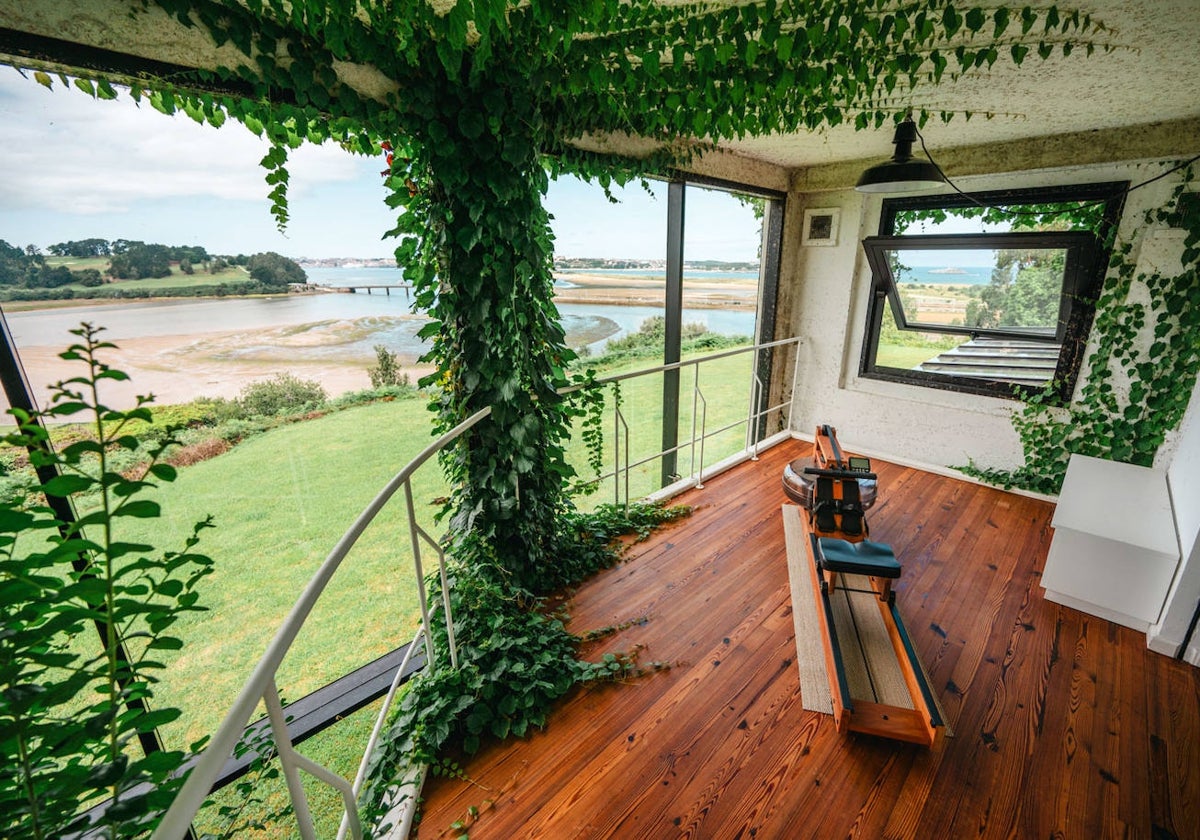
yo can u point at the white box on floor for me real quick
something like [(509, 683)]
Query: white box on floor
[(1114, 550)]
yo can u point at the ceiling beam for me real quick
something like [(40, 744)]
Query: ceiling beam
[(1155, 141)]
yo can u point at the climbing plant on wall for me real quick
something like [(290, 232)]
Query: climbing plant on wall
[(1142, 369)]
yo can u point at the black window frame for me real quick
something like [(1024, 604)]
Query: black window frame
[(1083, 279)]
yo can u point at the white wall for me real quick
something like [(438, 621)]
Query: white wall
[(1183, 479), (826, 302)]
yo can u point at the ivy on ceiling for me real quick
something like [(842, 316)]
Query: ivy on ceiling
[(485, 101)]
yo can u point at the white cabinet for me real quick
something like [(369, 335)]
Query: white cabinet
[(1114, 550)]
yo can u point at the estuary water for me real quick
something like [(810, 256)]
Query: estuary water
[(379, 318)]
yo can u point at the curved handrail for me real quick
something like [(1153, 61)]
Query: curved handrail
[(194, 791)]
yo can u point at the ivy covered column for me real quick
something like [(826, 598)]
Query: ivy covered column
[(472, 190)]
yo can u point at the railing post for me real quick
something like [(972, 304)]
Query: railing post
[(616, 448), (696, 396)]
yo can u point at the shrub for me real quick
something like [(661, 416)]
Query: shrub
[(387, 370), (282, 394), (89, 277), (234, 431)]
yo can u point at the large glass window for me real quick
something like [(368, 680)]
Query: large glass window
[(990, 294)]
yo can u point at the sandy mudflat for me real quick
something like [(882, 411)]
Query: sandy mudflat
[(179, 368), (625, 290)]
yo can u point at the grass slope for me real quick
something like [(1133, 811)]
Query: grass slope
[(280, 502)]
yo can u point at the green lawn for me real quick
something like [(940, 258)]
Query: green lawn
[(176, 280), (80, 263), (280, 502), (179, 280)]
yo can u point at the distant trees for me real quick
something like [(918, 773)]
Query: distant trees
[(27, 274), (274, 269), (1025, 291), (27, 268), (89, 277), (81, 248), (139, 261), (15, 264), (49, 277)]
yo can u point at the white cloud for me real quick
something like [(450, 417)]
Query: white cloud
[(133, 153)]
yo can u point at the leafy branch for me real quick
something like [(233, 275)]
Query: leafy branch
[(68, 720)]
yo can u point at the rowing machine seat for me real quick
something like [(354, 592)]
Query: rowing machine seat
[(864, 558)]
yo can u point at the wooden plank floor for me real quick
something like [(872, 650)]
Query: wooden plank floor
[(1066, 726)]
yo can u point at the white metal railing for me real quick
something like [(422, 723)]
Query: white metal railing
[(261, 685), (700, 431)]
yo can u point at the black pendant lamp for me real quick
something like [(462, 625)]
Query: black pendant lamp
[(902, 173)]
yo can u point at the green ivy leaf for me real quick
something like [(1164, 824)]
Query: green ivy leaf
[(1001, 19)]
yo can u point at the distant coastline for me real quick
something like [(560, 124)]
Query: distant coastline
[(560, 264)]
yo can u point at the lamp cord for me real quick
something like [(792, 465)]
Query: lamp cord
[(1004, 208)]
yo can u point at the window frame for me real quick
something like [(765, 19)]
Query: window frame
[(1083, 278)]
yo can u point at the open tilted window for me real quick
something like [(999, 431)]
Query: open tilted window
[(994, 299)]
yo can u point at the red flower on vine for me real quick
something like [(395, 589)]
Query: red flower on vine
[(387, 147)]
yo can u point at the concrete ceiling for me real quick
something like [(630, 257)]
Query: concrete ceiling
[(1152, 76)]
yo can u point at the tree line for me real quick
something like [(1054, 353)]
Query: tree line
[(26, 272)]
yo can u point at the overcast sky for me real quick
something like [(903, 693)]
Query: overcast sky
[(76, 168)]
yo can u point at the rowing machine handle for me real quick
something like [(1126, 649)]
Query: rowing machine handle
[(870, 476)]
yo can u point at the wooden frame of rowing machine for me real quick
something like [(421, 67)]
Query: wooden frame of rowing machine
[(921, 724)]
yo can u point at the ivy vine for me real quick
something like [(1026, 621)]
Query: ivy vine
[(1133, 398), (481, 102)]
